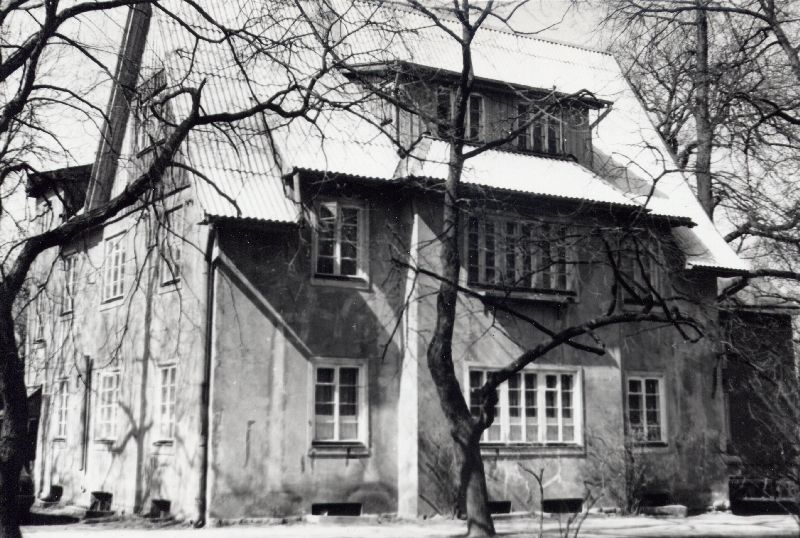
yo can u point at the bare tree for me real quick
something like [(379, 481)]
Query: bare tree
[(34, 37), (415, 93)]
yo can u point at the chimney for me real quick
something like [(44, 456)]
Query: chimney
[(119, 104)]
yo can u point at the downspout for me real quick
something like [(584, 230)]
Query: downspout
[(205, 382)]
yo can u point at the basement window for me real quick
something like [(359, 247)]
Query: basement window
[(336, 509)]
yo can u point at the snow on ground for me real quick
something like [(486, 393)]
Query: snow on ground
[(706, 525)]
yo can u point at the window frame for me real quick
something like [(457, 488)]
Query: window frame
[(642, 377), (362, 413), (568, 268), (61, 394), (170, 406), (37, 316), (481, 132), (651, 263), (106, 431), (69, 281), (361, 278), (502, 419), (117, 288), (170, 270), (526, 140)]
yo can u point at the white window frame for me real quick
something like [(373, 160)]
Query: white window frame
[(108, 398), (168, 404), (546, 279), (481, 120), (69, 282), (502, 421), (362, 247), (362, 401), (642, 377), (526, 140), (61, 408), (114, 252), (38, 315), (170, 254)]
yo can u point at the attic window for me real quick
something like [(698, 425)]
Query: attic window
[(544, 134)]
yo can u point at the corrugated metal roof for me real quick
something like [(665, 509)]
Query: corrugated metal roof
[(239, 181), (541, 176), (624, 140)]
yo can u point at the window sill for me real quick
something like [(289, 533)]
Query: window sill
[(170, 286), (498, 450), (108, 304), (558, 297), (340, 282), (104, 445), (163, 447), (339, 450), (59, 440), (651, 446)]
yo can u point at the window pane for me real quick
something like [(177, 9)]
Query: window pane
[(325, 265), (489, 252), (325, 375), (349, 267), (651, 386), (634, 385), (323, 430), (472, 251), (538, 136), (348, 430)]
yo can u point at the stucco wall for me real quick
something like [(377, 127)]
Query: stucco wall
[(154, 325), (688, 466), (270, 326)]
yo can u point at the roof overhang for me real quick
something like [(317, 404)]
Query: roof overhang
[(430, 73)]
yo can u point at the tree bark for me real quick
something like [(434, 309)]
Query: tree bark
[(463, 428), (701, 112), (14, 428)]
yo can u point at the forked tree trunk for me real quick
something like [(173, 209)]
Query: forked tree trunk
[(13, 430), (466, 438)]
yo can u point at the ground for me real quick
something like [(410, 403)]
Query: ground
[(706, 525)]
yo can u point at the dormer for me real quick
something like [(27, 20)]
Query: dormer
[(534, 121)]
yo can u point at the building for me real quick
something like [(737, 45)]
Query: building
[(254, 335)]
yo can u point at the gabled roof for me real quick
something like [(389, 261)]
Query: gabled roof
[(632, 165)]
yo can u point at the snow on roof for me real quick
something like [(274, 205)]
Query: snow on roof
[(632, 165)]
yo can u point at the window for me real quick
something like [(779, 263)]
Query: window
[(166, 410), (646, 409), (171, 246), (545, 134), (61, 403), (340, 245), (340, 403), (108, 402), (444, 109), (639, 268), (474, 125), (533, 408), (114, 268), (70, 269), (520, 255), (38, 315)]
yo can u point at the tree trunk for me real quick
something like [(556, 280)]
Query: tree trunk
[(476, 497), (701, 112), (13, 431), (466, 438)]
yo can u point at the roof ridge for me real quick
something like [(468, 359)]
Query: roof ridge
[(402, 7)]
